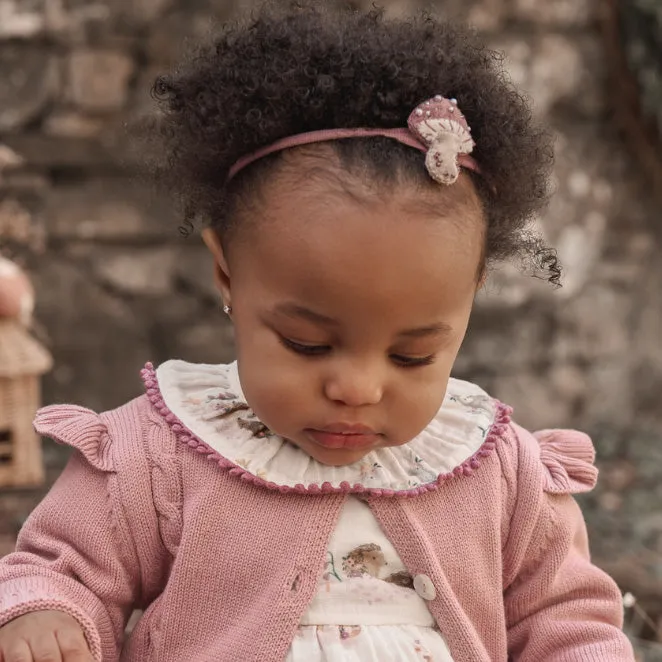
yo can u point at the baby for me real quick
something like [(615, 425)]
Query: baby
[(359, 177)]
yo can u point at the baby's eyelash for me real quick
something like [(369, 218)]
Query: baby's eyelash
[(306, 350), (410, 362), (322, 350)]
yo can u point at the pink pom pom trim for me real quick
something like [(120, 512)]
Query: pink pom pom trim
[(185, 436)]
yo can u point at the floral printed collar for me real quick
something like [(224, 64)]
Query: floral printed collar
[(205, 406)]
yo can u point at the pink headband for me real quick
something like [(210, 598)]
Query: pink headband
[(436, 127)]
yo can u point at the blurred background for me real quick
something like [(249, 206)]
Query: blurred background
[(117, 285)]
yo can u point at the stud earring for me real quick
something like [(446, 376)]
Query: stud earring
[(227, 309)]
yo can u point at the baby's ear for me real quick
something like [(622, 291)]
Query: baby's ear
[(221, 270), (213, 243)]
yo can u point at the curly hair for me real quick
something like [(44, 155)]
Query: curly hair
[(304, 67)]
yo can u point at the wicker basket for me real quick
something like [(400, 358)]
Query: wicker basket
[(22, 362)]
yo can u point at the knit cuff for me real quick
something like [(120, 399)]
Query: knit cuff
[(24, 595)]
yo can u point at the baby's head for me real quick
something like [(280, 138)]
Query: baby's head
[(350, 272)]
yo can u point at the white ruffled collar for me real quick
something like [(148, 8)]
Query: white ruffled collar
[(206, 407)]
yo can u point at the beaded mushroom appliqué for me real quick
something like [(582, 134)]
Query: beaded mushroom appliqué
[(439, 124)]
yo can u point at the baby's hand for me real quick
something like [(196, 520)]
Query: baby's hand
[(43, 636)]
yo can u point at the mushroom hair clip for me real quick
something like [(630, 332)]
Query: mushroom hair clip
[(439, 124)]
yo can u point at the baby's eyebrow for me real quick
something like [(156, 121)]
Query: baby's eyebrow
[(441, 329), (295, 310)]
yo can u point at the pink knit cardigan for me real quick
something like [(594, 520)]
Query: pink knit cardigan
[(225, 568)]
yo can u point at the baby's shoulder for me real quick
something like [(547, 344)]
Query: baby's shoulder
[(134, 446), (553, 461), (106, 440), (558, 461)]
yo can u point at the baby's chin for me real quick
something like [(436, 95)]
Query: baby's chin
[(338, 457)]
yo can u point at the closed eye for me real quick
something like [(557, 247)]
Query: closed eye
[(306, 350), (412, 362), (322, 350)]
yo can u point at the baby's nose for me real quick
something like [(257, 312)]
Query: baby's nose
[(355, 388)]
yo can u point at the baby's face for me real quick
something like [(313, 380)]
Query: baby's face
[(349, 316)]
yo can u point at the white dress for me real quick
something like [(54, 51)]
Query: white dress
[(368, 608)]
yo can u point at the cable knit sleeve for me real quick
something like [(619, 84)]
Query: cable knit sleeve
[(559, 606), (74, 553)]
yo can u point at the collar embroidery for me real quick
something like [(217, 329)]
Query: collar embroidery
[(206, 408)]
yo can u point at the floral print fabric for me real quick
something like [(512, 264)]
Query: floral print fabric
[(368, 643), (366, 608), (364, 582), (209, 402)]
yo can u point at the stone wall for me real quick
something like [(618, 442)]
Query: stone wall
[(117, 285)]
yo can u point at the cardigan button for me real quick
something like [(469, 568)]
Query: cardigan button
[(425, 588)]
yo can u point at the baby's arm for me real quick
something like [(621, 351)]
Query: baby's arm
[(75, 553), (559, 606)]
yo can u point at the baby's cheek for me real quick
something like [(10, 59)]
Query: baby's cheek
[(274, 402), (421, 406), (262, 401)]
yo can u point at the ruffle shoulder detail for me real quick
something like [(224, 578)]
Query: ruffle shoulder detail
[(568, 458), (79, 428)]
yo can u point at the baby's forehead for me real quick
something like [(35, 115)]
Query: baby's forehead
[(317, 174), (377, 251), (320, 219)]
